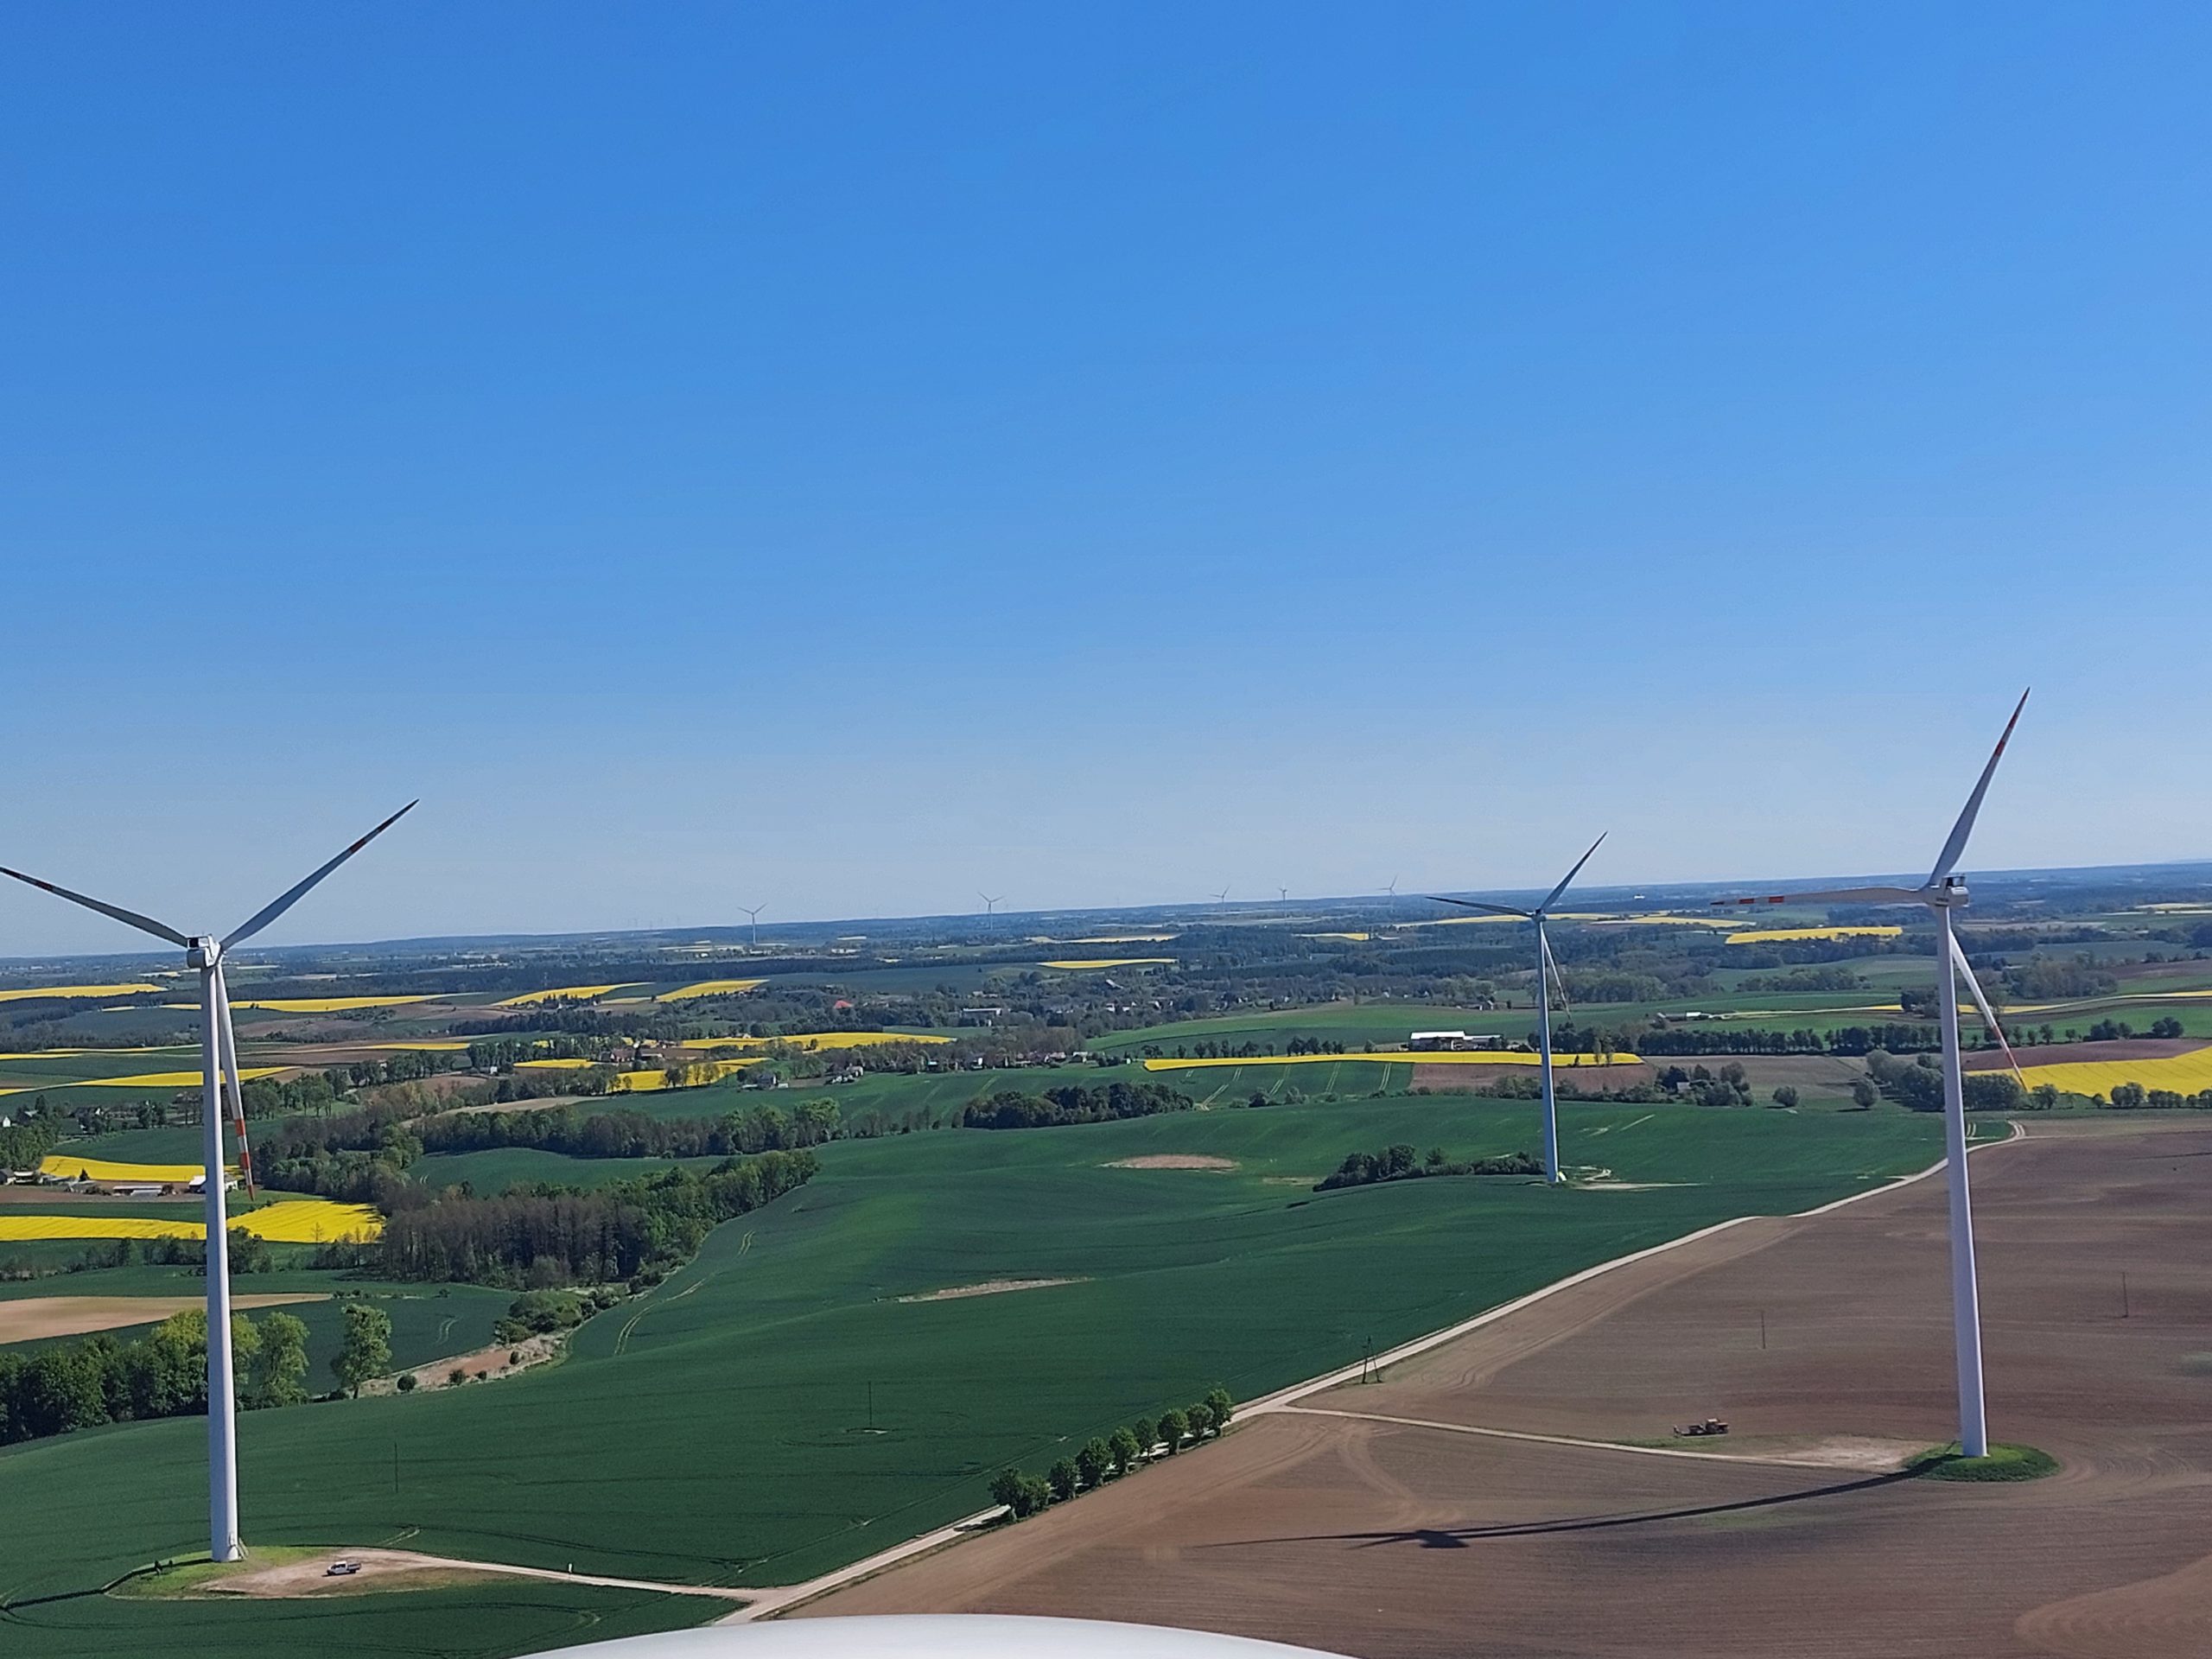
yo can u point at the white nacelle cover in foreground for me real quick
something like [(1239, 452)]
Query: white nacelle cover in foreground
[(942, 1635)]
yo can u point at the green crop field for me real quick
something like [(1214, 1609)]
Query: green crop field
[(484, 1621), (713, 1430)]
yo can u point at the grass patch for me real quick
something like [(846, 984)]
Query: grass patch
[(196, 1575), (2002, 1463)]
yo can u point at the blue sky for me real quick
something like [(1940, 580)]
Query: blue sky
[(839, 457)]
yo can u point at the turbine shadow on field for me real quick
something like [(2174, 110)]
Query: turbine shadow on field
[(1463, 1537)]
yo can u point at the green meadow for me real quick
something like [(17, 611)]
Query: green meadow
[(716, 1430)]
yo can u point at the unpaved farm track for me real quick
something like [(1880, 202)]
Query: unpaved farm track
[(1385, 1539)]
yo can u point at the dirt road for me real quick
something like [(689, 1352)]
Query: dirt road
[(1396, 1531)]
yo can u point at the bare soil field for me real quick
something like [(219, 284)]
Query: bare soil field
[(35, 1317), (22, 1193), (989, 1287), (1174, 1160), (484, 1365), (1444, 1536)]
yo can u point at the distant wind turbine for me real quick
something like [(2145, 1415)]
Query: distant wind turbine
[(752, 913), (1546, 970), (1943, 892), (219, 1067), (1285, 891), (1393, 888), (990, 904), (1222, 898)]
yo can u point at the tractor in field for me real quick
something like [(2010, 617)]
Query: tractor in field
[(1699, 1430)]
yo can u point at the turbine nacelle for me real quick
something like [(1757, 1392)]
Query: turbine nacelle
[(203, 953)]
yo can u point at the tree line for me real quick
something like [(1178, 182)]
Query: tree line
[(1104, 1458), (103, 1378), (554, 1235), (1403, 1163), (362, 1156), (1072, 1103)]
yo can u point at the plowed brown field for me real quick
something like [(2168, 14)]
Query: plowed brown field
[(1382, 1539)]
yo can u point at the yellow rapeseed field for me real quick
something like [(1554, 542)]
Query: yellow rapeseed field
[(77, 990), (566, 1064), (560, 993), (1079, 963), (709, 987), (161, 1079), (1777, 935), (1424, 1057), (63, 1166), (2185, 1074), (293, 1221)]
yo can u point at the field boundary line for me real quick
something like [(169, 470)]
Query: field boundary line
[(1562, 1439), (769, 1601), (766, 1604), (1282, 1399)]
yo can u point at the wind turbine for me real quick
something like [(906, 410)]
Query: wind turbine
[(1222, 898), (990, 904), (753, 914), (1546, 970), (219, 1066), (1943, 892)]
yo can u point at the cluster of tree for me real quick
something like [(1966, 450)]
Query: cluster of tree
[(539, 1313), (1072, 1103), (2133, 1096), (106, 1379), (2058, 979), (560, 1236), (1401, 1163), (1729, 1086), (2119, 1031), (628, 1133), (1313, 1046), (1917, 1085), (1804, 980), (1104, 1458), (1711, 1038), (22, 1145), (1602, 985)]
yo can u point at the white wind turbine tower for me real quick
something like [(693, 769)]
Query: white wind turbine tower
[(1944, 892), (990, 904), (752, 914), (1546, 970), (218, 1065)]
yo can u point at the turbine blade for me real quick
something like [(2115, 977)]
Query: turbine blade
[(1957, 844), (247, 929), (1834, 896), (1552, 898), (129, 917), (1559, 980), (1471, 904), (227, 1040), (1981, 1002)]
